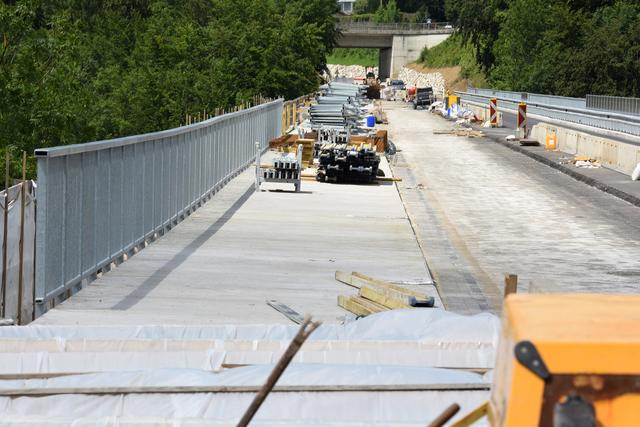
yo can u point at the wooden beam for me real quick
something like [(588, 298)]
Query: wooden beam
[(385, 297), (364, 279), (349, 304), (344, 277), (369, 304)]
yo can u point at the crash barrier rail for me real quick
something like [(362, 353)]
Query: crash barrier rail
[(100, 202), (558, 108), (290, 111), (394, 28), (616, 104)]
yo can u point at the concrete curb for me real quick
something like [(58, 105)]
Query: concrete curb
[(573, 174)]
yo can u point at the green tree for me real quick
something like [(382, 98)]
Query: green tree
[(73, 71), (388, 13)]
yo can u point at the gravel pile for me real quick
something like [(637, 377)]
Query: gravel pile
[(349, 71), (414, 78)]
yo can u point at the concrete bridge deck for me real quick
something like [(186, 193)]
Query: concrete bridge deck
[(242, 248)]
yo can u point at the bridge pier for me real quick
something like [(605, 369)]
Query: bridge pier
[(406, 49), (384, 63)]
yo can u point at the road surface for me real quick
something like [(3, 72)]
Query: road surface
[(480, 210)]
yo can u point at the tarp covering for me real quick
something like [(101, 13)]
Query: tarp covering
[(368, 407), (394, 325), (13, 251), (428, 337)]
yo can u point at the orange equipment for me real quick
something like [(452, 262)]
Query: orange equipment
[(570, 358)]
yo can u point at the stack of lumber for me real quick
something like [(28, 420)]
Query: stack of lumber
[(307, 150), (376, 295), (378, 140)]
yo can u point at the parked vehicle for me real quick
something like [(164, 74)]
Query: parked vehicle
[(424, 97), (397, 85)]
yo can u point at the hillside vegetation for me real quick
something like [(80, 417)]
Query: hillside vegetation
[(451, 53), (570, 48), (74, 71)]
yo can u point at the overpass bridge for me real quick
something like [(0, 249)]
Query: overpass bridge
[(399, 43)]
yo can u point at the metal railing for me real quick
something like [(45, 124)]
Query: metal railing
[(370, 27), (615, 104), (102, 201), (564, 109)]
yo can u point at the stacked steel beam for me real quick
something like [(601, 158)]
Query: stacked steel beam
[(339, 105)]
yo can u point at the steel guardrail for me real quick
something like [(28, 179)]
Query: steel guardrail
[(616, 104), (102, 201), (572, 110)]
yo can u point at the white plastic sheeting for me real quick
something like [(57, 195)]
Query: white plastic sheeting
[(394, 325), (365, 406), (428, 337), (13, 251)]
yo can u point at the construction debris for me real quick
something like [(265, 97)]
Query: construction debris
[(586, 162), (468, 132)]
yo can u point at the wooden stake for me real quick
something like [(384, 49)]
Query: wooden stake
[(23, 189), (510, 284), (445, 416), (4, 237), (305, 330)]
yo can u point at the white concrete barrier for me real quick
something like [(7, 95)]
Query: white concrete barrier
[(620, 156)]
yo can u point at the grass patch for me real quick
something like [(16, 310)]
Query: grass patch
[(451, 53), (354, 56)]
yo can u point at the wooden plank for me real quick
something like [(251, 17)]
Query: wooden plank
[(473, 416), (352, 306), (288, 312), (388, 179), (369, 304), (344, 277), (385, 297), (360, 278)]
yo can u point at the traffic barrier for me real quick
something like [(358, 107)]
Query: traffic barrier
[(493, 112), (522, 119)]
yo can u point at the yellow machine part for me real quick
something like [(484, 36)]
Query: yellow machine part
[(590, 344)]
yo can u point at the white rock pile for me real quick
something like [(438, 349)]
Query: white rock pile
[(414, 78), (349, 71)]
